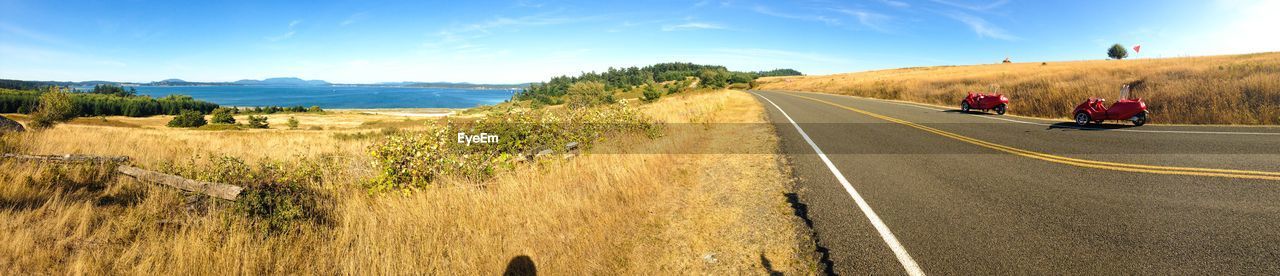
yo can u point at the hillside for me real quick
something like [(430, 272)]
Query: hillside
[(1230, 89), (634, 204)]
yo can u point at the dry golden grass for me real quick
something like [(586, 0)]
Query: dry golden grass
[(632, 211), (1233, 89)]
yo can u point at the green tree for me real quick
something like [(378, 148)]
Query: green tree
[(188, 118), (1117, 51), (587, 93), (713, 78), (651, 94), (55, 106), (111, 89), (315, 109), (258, 122), (223, 116)]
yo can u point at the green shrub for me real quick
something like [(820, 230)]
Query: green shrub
[(315, 109), (277, 196), (587, 93), (651, 94), (221, 127), (258, 122), (713, 78), (55, 107), (188, 118), (412, 160), (293, 123), (223, 116)]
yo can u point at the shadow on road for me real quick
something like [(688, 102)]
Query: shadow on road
[(971, 112), (802, 210), (521, 266), (1091, 127)]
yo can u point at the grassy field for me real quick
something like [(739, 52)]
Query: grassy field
[(632, 211), (1232, 89)]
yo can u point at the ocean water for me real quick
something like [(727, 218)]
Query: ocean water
[(335, 96)]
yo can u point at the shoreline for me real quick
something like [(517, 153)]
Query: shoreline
[(404, 112)]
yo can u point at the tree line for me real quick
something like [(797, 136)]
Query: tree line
[(36, 85), (104, 102), (778, 73), (615, 79)]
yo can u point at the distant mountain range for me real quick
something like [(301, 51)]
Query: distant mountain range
[(289, 81), (283, 81)]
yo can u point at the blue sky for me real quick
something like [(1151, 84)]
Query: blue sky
[(531, 40)]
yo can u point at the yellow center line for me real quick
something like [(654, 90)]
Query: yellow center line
[(1139, 168)]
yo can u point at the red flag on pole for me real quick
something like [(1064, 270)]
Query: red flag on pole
[(1137, 48)]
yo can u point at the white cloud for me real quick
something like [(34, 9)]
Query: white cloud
[(529, 4), (463, 33), (287, 34), (973, 7), (30, 35), (284, 36), (356, 17), (981, 26), (872, 20), (896, 4), (819, 18), (692, 26)]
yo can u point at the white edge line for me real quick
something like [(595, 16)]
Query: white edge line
[(901, 252), (1077, 127)]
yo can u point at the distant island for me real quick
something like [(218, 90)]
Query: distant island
[(453, 85), (282, 81)]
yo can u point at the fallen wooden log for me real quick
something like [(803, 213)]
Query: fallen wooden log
[(68, 158), (218, 190), (570, 150)]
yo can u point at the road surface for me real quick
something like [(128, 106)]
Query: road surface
[(902, 188)]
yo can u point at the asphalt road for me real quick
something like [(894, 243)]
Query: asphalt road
[(964, 193)]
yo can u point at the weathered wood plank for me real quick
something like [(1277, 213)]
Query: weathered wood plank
[(68, 158), (218, 190), (571, 149)]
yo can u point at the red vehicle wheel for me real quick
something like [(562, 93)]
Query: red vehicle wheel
[(1140, 119), (964, 106), (1000, 109), (1082, 119)]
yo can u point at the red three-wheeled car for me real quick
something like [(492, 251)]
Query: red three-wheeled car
[(1126, 108), (978, 101)]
